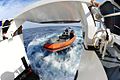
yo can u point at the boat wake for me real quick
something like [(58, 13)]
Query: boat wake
[(54, 66)]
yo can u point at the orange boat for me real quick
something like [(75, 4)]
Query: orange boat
[(59, 44)]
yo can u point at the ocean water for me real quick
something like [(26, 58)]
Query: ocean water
[(52, 66)]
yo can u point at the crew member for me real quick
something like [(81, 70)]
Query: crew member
[(65, 34)]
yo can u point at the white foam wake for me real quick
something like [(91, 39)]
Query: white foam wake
[(54, 66)]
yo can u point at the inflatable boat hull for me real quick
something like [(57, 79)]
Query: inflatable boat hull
[(59, 46)]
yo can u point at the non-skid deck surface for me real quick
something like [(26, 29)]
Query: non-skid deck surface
[(112, 64), (90, 67)]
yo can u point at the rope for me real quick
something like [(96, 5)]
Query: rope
[(100, 41)]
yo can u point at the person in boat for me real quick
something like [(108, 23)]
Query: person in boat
[(65, 34), (71, 34)]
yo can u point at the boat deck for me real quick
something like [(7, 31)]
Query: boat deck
[(111, 63), (90, 67)]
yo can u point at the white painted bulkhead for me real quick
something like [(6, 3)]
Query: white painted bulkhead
[(12, 50)]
